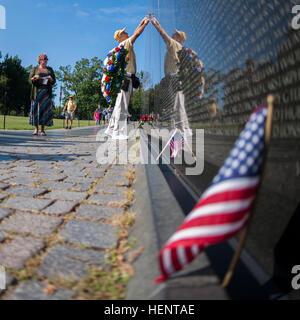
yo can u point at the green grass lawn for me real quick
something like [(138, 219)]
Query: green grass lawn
[(22, 123)]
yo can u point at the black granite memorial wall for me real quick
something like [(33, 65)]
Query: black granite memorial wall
[(236, 53)]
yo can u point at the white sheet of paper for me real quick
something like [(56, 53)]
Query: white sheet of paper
[(45, 80)]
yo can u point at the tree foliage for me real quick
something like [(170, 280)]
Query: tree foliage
[(138, 98), (14, 86), (83, 81)]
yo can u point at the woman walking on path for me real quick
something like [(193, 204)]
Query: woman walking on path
[(41, 78)]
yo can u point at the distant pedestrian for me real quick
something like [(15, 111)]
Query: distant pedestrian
[(104, 114), (100, 110), (157, 117), (97, 117), (42, 79), (69, 109)]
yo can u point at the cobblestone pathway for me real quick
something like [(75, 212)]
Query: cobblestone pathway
[(59, 214)]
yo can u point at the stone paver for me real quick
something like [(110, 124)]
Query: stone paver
[(74, 173), (3, 186), (51, 177), (66, 195), (48, 171), (72, 179), (45, 182), (24, 181), (4, 213), (56, 185), (22, 203), (8, 176), (25, 191), (96, 173), (35, 224), (115, 179), (2, 236), (119, 170), (109, 189), (15, 254), (90, 233), (97, 212), (118, 198), (69, 262), (82, 187), (35, 290), (2, 196), (61, 207), (6, 166), (20, 174), (22, 169)]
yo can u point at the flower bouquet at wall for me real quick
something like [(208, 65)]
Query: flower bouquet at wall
[(144, 119), (113, 73), (150, 120)]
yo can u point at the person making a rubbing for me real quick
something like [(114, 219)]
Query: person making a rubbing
[(117, 127)]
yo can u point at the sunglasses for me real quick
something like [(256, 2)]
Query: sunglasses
[(44, 59)]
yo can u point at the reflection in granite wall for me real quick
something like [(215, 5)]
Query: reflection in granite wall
[(248, 49), (235, 53)]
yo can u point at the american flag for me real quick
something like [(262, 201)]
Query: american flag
[(225, 207), (176, 142)]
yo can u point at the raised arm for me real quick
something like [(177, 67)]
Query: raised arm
[(139, 30), (161, 30)]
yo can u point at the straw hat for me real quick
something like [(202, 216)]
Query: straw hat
[(118, 33), (181, 34)]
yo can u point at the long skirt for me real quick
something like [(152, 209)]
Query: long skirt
[(41, 112)]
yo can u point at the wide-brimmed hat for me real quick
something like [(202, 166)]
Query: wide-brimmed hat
[(118, 33), (181, 34)]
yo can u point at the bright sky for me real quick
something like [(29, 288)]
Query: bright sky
[(68, 30)]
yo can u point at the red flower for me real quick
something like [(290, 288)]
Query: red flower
[(106, 78), (117, 49), (110, 62), (107, 92), (149, 118), (144, 118)]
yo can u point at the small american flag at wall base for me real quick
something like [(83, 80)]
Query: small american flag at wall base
[(176, 142), (225, 207)]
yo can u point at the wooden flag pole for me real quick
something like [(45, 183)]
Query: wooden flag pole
[(163, 150), (244, 232)]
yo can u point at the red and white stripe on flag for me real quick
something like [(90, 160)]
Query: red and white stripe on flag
[(224, 208), (176, 143)]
